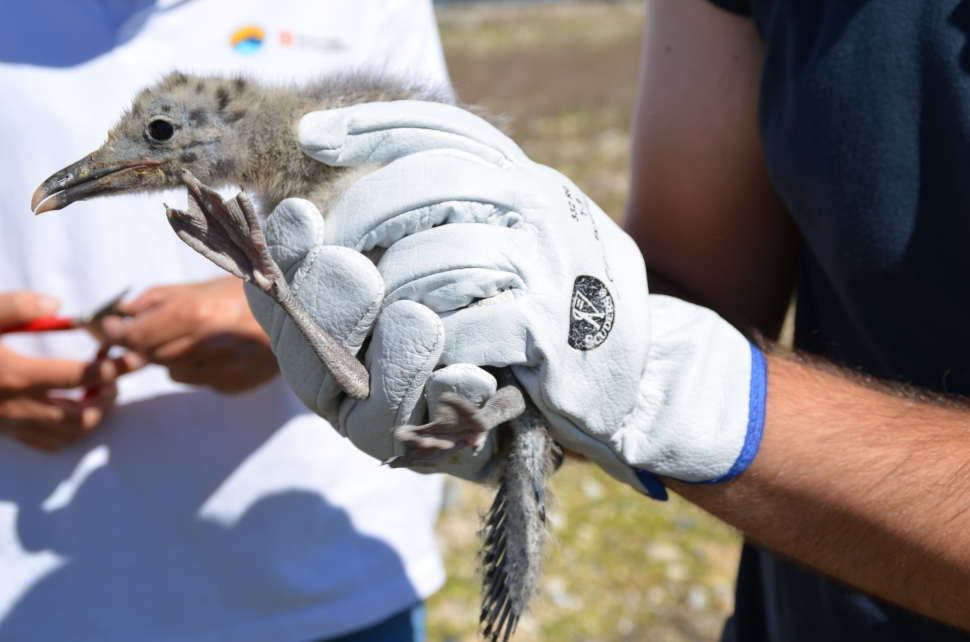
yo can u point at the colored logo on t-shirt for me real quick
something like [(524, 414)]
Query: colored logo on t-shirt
[(248, 40)]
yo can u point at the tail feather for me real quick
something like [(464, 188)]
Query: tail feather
[(515, 527)]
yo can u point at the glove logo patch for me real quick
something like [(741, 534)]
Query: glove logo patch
[(591, 313)]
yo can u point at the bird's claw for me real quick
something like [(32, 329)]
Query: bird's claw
[(457, 424), (226, 232)]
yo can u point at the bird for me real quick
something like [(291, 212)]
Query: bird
[(202, 132)]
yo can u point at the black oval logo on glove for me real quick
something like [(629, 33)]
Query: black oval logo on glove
[(591, 313)]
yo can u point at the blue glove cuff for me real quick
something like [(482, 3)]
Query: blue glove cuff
[(756, 417), (756, 422), (654, 487)]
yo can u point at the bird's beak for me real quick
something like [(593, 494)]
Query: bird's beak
[(92, 176)]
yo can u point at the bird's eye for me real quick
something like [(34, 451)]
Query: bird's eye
[(161, 129)]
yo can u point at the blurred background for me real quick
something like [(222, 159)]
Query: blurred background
[(622, 567)]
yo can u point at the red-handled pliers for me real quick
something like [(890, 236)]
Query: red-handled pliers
[(89, 321)]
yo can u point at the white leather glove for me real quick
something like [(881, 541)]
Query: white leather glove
[(559, 293), (340, 288), (343, 291)]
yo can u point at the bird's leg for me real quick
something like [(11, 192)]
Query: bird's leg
[(228, 234), (457, 423), (514, 529)]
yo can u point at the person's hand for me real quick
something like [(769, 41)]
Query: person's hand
[(203, 333), (32, 410), (526, 272), (343, 291)]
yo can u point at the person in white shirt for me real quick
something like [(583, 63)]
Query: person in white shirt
[(156, 507)]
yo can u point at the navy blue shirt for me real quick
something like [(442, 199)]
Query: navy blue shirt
[(865, 120)]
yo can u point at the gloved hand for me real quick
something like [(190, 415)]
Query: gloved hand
[(526, 272), (343, 291), (634, 383)]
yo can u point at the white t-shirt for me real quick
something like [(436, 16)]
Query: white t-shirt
[(188, 515)]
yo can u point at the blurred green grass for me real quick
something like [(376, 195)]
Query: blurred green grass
[(622, 567)]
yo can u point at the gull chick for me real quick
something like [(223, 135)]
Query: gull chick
[(199, 132), (224, 131), (229, 131)]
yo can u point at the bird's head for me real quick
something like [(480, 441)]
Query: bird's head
[(182, 123)]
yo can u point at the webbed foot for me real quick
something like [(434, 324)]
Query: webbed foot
[(457, 423), (227, 232)]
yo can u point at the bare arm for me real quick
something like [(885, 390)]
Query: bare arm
[(701, 206), (868, 487)]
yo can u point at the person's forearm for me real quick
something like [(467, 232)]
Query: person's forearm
[(867, 487)]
